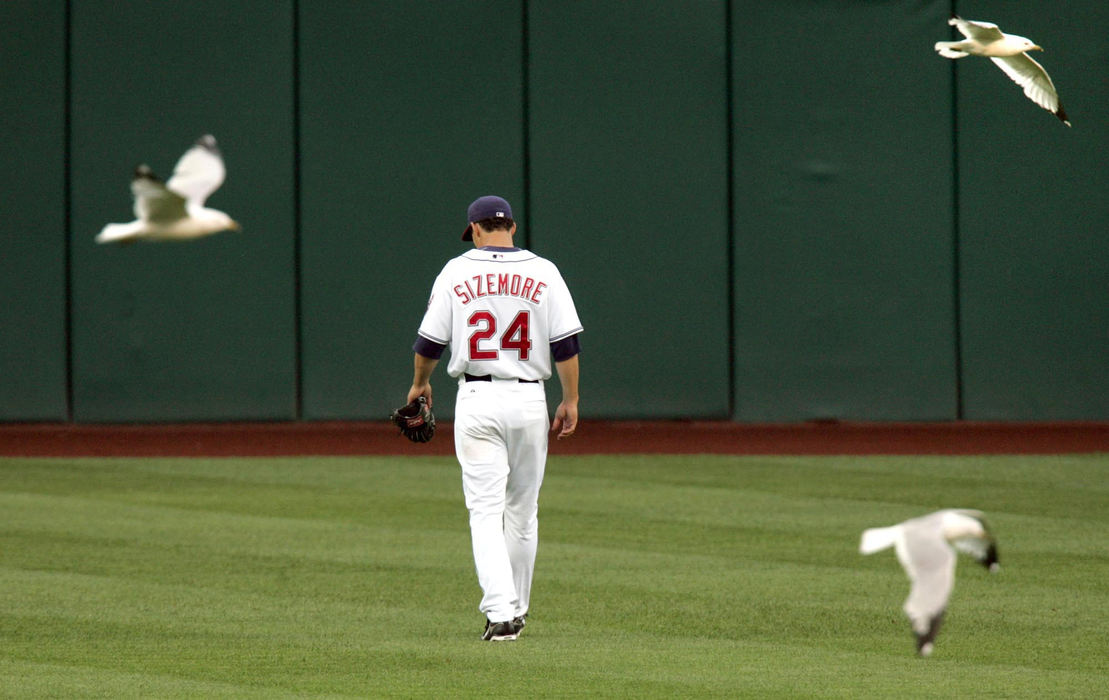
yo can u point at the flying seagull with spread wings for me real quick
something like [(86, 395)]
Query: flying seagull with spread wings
[(1008, 51), (175, 211), (926, 546)]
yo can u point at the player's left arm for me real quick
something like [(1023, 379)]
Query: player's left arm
[(566, 417), (565, 348)]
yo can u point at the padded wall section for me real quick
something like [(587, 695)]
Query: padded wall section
[(410, 110), (628, 179), (844, 272), (1034, 224), (203, 330), (32, 199), (905, 238)]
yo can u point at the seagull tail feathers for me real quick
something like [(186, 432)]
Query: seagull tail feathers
[(116, 233), (947, 50), (876, 539)]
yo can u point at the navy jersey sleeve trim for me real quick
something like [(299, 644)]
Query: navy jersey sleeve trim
[(428, 348), (566, 348)]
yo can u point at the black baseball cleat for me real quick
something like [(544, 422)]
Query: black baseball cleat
[(518, 623), (499, 632)]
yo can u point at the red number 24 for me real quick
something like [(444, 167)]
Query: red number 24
[(515, 337)]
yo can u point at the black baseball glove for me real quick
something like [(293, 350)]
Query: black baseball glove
[(416, 421)]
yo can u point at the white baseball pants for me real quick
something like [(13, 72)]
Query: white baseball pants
[(500, 438)]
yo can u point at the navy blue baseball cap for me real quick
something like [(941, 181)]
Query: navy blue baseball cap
[(482, 208)]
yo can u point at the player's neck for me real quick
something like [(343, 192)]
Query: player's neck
[(497, 239)]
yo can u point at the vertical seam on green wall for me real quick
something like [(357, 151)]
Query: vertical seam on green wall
[(956, 238), (298, 325), (525, 117), (729, 141), (956, 243), (67, 201)]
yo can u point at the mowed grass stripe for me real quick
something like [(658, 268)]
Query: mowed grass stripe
[(657, 577)]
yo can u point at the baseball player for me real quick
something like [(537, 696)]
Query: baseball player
[(506, 314)]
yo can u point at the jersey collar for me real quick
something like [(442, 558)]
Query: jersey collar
[(498, 254)]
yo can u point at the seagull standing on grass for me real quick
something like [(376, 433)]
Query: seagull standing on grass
[(175, 210), (1008, 52), (924, 546)]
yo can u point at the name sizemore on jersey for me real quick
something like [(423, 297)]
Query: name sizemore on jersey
[(506, 285)]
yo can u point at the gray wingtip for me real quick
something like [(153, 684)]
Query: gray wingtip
[(926, 642)]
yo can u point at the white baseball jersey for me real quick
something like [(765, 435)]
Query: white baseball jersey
[(499, 309)]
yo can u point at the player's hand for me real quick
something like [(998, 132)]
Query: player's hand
[(565, 420), (417, 391)]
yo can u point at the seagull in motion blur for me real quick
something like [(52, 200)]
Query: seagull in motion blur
[(926, 546), (175, 210), (1008, 52)]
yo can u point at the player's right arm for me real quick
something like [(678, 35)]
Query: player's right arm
[(431, 340), (421, 378)]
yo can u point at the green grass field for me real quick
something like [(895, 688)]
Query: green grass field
[(657, 577)]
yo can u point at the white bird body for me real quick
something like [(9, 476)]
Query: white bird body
[(925, 547), (1009, 53), (175, 210), (201, 221)]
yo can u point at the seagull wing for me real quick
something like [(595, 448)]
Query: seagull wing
[(153, 202), (968, 532), (199, 172), (976, 547), (1037, 84), (930, 565), (982, 32)]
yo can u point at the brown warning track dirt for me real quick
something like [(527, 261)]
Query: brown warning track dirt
[(596, 437)]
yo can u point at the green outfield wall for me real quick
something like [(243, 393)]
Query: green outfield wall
[(33, 211), (1034, 227), (779, 211), (199, 330)]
